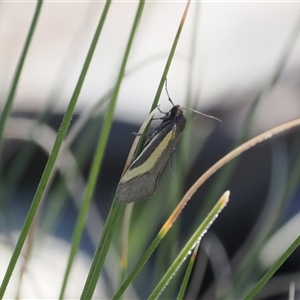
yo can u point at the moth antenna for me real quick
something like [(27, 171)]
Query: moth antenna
[(166, 87), (200, 113)]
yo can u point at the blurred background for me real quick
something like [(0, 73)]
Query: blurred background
[(236, 61)]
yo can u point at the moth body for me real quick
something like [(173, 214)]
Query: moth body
[(140, 180)]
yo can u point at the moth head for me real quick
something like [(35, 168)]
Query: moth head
[(179, 111)]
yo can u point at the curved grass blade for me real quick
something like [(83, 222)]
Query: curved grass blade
[(226, 159), (224, 175)]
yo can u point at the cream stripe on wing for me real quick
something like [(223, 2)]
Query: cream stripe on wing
[(150, 162)]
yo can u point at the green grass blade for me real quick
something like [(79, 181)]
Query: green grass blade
[(273, 269), (102, 249), (93, 177), (226, 159), (184, 160), (116, 208), (12, 92), (156, 99), (187, 274), (198, 234), (50, 164), (139, 266), (171, 55), (154, 245)]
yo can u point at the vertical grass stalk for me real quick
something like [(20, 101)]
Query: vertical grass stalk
[(89, 191), (117, 208), (166, 69)]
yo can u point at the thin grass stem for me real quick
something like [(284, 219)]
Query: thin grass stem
[(167, 67), (93, 175), (188, 273), (273, 269), (198, 234), (117, 208)]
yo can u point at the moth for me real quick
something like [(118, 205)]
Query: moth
[(140, 180)]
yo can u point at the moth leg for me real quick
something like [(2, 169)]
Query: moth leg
[(162, 112)]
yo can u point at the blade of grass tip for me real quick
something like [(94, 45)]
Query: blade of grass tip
[(266, 221), (188, 273), (167, 67), (51, 161), (226, 159), (273, 269), (12, 92), (196, 237), (117, 208)]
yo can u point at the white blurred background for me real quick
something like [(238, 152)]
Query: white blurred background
[(237, 48)]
